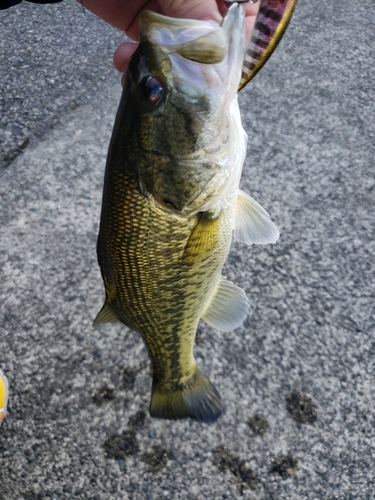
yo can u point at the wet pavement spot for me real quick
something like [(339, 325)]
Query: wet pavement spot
[(120, 446), (128, 378), (258, 424), (138, 419), (97, 353), (243, 474), (285, 466), (158, 458), (301, 408), (104, 394)]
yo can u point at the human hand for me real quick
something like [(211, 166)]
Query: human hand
[(125, 16)]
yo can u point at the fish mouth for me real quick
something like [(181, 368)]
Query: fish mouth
[(233, 25), (213, 154), (199, 41), (187, 181)]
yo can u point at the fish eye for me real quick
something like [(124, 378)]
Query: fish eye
[(152, 89)]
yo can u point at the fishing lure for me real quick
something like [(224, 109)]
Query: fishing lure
[(270, 25)]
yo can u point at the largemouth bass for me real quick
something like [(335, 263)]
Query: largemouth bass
[(171, 202)]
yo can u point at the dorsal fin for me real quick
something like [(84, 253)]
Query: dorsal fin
[(106, 315)]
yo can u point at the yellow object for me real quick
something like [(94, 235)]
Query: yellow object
[(3, 395)]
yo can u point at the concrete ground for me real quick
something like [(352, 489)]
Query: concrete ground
[(298, 377)]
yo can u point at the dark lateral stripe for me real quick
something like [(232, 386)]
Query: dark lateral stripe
[(248, 64), (263, 28), (262, 44), (271, 14)]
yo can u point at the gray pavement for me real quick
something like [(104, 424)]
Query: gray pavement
[(53, 58), (298, 377)]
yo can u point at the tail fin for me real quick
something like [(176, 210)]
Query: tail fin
[(197, 398)]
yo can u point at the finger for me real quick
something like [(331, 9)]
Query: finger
[(208, 9), (191, 9), (251, 12), (123, 54)]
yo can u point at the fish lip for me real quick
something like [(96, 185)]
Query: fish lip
[(166, 32), (234, 25)]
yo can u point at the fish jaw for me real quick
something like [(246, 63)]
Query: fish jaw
[(192, 144), (193, 183), (191, 43), (207, 75)]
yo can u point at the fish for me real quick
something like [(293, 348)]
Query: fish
[(3, 395), (171, 202)]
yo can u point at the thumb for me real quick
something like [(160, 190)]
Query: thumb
[(193, 9)]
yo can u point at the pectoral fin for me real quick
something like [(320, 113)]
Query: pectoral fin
[(252, 223), (228, 306), (203, 239)]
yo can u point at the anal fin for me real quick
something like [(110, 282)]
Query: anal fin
[(252, 223), (228, 306)]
